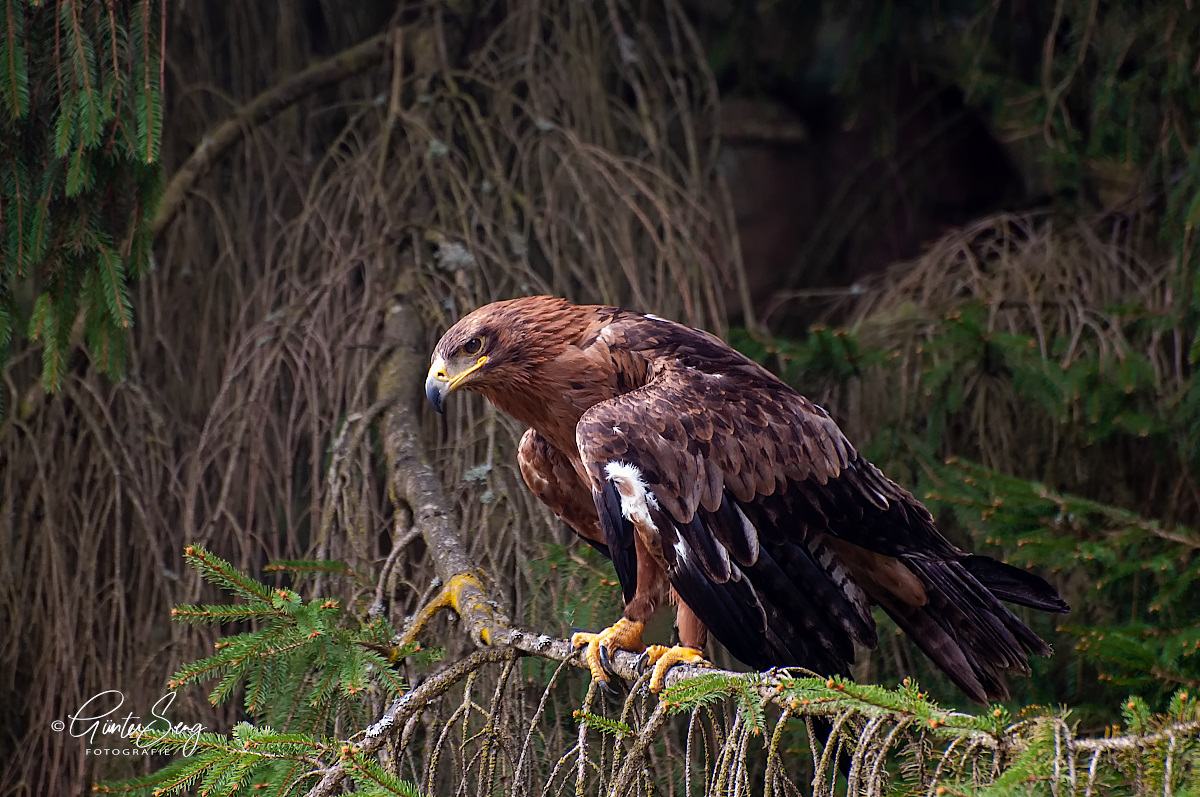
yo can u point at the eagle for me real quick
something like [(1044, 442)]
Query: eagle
[(712, 484)]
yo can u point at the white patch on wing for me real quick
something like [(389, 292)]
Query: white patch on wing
[(750, 532), (636, 500), (681, 551)]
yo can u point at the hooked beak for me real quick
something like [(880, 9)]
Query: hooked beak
[(442, 380), (436, 390)]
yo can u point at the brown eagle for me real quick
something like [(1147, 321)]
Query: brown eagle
[(706, 479)]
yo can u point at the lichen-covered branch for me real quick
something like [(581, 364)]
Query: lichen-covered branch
[(411, 704)]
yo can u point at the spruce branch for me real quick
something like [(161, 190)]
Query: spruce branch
[(14, 75), (217, 571), (404, 708)]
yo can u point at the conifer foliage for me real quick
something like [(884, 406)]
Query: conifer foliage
[(80, 130), (303, 670)]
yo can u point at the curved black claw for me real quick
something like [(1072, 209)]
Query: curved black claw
[(613, 695), (606, 662), (643, 663)]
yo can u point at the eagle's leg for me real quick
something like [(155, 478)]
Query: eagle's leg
[(625, 634), (693, 636)]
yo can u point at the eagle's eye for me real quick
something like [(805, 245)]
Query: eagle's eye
[(472, 346)]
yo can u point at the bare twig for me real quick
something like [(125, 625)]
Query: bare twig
[(408, 706), (217, 141)]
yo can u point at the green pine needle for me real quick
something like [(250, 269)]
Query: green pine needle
[(14, 75)]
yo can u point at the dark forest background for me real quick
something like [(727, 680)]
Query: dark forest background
[(968, 229)]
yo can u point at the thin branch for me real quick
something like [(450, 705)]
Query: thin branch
[(225, 134), (410, 705)]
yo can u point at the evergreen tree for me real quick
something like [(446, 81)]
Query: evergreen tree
[(80, 130)]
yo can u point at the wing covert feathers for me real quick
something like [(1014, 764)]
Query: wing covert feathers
[(553, 479)]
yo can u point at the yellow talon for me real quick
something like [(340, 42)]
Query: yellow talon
[(664, 658), (622, 635)]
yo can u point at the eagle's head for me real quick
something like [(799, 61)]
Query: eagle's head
[(501, 347)]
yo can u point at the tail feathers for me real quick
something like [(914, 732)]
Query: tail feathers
[(1014, 585), (946, 652), (965, 629)]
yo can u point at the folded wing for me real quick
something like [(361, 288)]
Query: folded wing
[(779, 536)]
